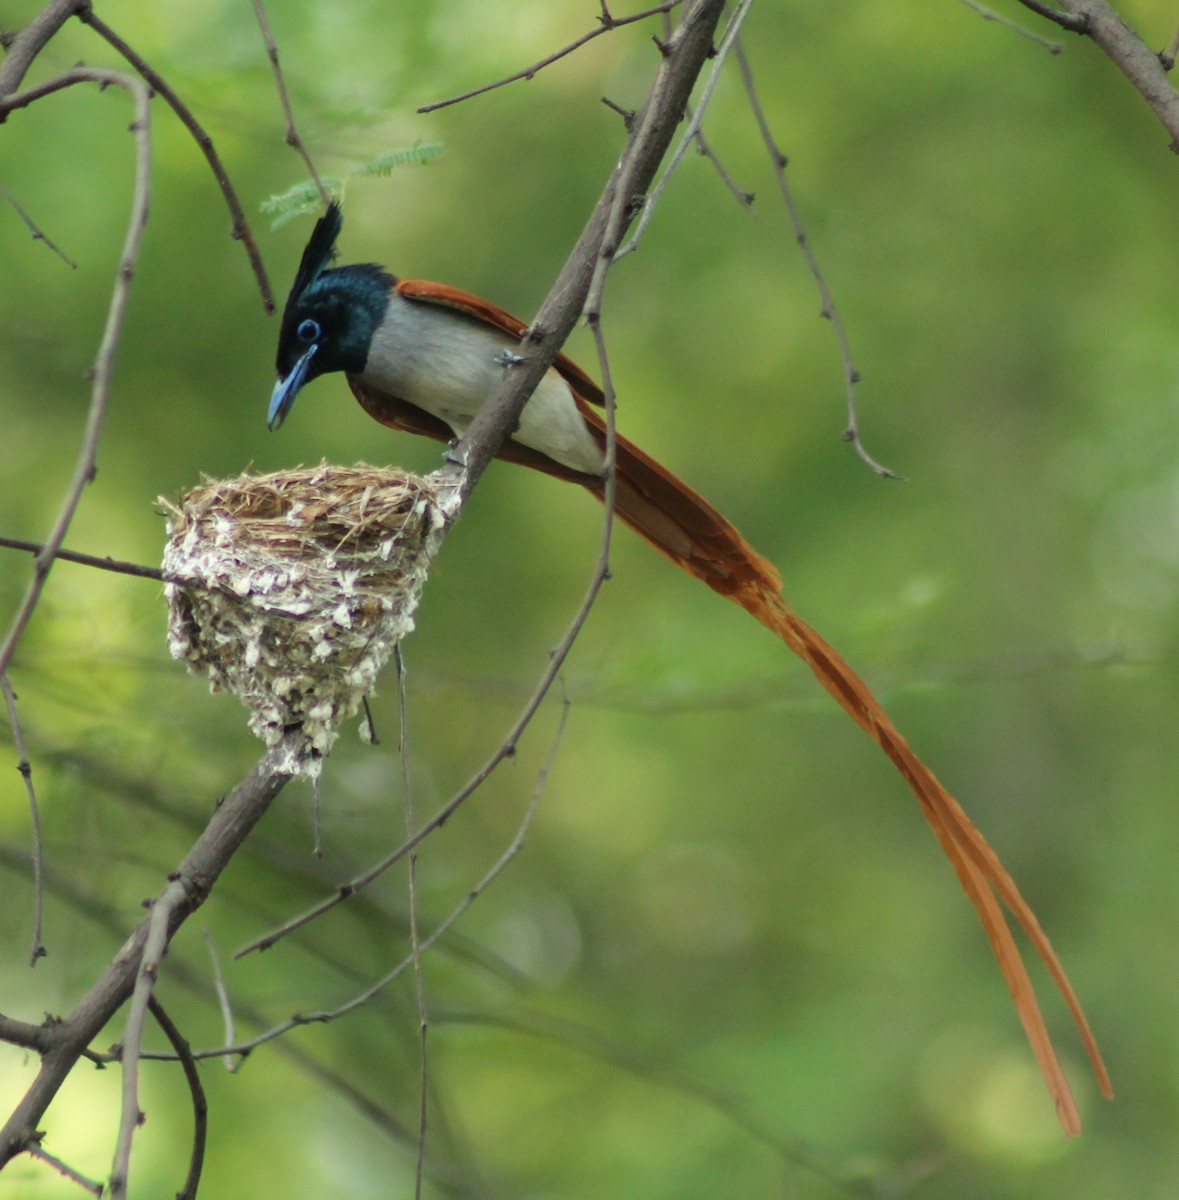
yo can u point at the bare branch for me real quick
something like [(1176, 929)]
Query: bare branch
[(38, 234), (231, 1064), (989, 14), (851, 374), (22, 1033), (29, 42), (25, 768), (741, 195), (513, 848), (292, 137), (1168, 56), (92, 908), (91, 560), (200, 1106), (693, 131), (67, 1040), (36, 1151), (607, 22), (241, 227), (648, 139), (160, 923), (104, 363), (415, 942), (1144, 68), (1069, 21)]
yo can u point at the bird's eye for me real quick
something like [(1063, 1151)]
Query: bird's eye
[(308, 331)]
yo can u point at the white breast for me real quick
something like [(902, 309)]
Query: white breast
[(446, 363)]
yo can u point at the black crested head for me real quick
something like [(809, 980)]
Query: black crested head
[(319, 251), (330, 316), (338, 315)]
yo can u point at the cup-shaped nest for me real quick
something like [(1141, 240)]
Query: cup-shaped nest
[(291, 590)]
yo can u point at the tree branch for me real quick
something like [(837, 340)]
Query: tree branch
[(65, 1041), (104, 362), (292, 135), (200, 1105), (39, 234), (606, 23), (1064, 20), (651, 134), (1141, 65), (118, 566), (26, 772), (22, 1033), (30, 41), (241, 227)]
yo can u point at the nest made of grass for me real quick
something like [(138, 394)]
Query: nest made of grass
[(291, 589)]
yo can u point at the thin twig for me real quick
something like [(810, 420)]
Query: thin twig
[(241, 227), (368, 726), (704, 149), (610, 493), (690, 134), (26, 770), (851, 374), (1076, 23), (607, 22), (39, 234), (200, 1105), (91, 560), (316, 821), (505, 750), (292, 135), (490, 875), (104, 363), (989, 14), (154, 947), (629, 190), (415, 943), (36, 1151), (231, 1064)]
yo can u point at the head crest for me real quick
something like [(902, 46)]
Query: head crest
[(321, 249)]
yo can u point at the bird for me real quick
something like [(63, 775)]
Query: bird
[(423, 357)]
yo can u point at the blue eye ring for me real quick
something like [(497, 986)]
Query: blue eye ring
[(308, 331)]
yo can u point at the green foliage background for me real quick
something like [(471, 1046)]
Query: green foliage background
[(730, 952)]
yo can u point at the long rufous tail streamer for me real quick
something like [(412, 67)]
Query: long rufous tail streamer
[(683, 526)]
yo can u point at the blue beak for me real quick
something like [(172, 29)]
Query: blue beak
[(286, 389)]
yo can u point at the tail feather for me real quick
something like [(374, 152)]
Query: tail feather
[(687, 529), (682, 525)]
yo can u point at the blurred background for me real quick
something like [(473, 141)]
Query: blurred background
[(730, 959)]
